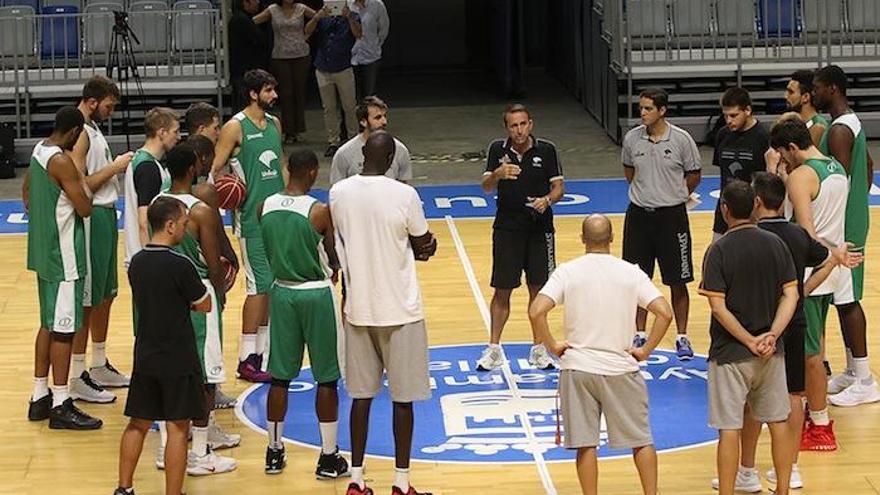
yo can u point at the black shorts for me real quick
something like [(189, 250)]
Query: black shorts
[(662, 235), (515, 251), (795, 356), (172, 398)]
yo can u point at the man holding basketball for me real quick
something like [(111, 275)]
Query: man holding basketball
[(251, 143)]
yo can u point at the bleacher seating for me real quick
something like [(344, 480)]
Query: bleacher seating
[(98, 28), (16, 34), (192, 25), (59, 31), (779, 19), (149, 21)]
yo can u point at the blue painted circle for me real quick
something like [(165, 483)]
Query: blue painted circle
[(474, 416)]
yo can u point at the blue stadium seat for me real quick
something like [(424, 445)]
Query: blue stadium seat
[(34, 4), (63, 3), (779, 19), (59, 32), (16, 34)]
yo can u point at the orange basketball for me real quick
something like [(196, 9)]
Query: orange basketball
[(231, 191), (229, 273)]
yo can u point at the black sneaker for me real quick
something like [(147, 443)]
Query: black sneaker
[(39, 410), (332, 466), (123, 491), (331, 150), (69, 417), (276, 459)]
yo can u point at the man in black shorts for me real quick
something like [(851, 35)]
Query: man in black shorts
[(528, 175), (166, 382)]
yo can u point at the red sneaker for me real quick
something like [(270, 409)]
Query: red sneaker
[(412, 491), (355, 489), (819, 438), (249, 370)]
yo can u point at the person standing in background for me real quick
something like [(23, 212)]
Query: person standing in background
[(366, 54), (247, 48)]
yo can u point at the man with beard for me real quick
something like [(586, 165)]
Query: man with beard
[(251, 142), (799, 99), (372, 115)]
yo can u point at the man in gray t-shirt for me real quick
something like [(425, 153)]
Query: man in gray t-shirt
[(372, 115), (662, 164)]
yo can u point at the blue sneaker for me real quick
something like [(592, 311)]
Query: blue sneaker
[(683, 349), (639, 341)]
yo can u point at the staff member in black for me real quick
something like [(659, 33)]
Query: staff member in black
[(166, 383), (528, 175)]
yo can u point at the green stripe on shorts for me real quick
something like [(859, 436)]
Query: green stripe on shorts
[(816, 311)]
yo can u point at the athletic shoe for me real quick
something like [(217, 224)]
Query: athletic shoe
[(38, 410), (249, 370), (160, 455), (69, 417), (210, 463), (354, 489), (492, 358), (218, 439), (540, 358), (683, 349), (746, 481), (639, 342), (412, 491), (857, 394), (85, 389), (819, 438), (109, 377), (276, 459), (839, 383), (123, 491), (794, 483), (332, 466), (223, 401)]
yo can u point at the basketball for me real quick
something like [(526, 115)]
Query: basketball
[(231, 191), (229, 273)]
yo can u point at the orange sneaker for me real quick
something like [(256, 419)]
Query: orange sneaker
[(819, 438)]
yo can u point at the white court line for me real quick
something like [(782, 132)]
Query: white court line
[(518, 401)]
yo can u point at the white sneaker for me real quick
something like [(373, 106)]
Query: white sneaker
[(540, 358), (108, 376), (857, 394), (794, 483), (210, 463), (839, 383), (160, 456), (218, 439), (746, 481), (492, 358), (85, 389)]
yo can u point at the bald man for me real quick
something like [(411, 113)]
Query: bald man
[(600, 371)]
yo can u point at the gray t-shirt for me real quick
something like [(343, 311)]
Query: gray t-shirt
[(289, 32), (349, 161), (659, 167)]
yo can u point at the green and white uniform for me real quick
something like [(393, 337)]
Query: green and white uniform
[(817, 119), (258, 164), (857, 213), (102, 235), (142, 158), (208, 327), (56, 247), (302, 304)]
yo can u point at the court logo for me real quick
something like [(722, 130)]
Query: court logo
[(480, 417)]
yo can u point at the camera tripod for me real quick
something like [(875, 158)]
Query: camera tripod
[(121, 59)]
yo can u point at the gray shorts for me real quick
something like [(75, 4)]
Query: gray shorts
[(623, 399), (757, 382), (400, 351)]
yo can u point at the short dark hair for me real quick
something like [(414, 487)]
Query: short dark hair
[(99, 87), (68, 118), (790, 131), (736, 97), (804, 78), (163, 210), (200, 114), (255, 80), (301, 162), (202, 146), (739, 197), (363, 109), (770, 188), (515, 108), (833, 75), (657, 95), (179, 159)]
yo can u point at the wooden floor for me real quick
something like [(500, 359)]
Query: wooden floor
[(34, 459)]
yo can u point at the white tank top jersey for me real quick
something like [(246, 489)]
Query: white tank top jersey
[(829, 214), (97, 158)]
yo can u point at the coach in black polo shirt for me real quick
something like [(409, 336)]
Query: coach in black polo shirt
[(528, 176)]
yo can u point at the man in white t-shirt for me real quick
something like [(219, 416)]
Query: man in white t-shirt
[(380, 232), (600, 371)]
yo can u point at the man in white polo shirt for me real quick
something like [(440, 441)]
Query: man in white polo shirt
[(600, 369)]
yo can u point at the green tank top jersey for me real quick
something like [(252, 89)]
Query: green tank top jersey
[(258, 164), (857, 213), (189, 246), (818, 119), (825, 168), (294, 248), (56, 247)]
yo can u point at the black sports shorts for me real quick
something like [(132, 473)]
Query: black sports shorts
[(662, 235)]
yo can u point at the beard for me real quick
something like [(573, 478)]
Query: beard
[(794, 108), (265, 105)]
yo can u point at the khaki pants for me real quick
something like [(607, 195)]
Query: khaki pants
[(329, 83)]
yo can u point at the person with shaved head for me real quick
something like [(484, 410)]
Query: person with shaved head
[(600, 369)]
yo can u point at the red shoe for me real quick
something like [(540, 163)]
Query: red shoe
[(412, 491), (249, 370), (819, 438), (355, 489)]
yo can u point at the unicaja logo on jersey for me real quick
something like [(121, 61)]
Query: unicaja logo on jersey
[(266, 158)]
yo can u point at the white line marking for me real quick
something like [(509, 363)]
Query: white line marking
[(518, 401)]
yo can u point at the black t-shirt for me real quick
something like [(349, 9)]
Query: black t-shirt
[(164, 285), (147, 183), (749, 267), (739, 155), (805, 251), (539, 166), (247, 47)]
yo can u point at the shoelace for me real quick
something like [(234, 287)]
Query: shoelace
[(87, 379)]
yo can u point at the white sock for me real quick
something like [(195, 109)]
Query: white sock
[(748, 470), (820, 417), (276, 431), (77, 365), (99, 354), (41, 388), (401, 479), (642, 334), (247, 345), (850, 367), (680, 337), (60, 394), (357, 476), (862, 370), (262, 342), (200, 440), (328, 436), (163, 434)]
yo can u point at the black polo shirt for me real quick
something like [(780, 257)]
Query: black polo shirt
[(539, 166), (164, 285), (749, 267), (739, 155)]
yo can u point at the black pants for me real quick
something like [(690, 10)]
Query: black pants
[(365, 77)]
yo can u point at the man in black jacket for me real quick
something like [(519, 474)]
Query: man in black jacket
[(247, 47)]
